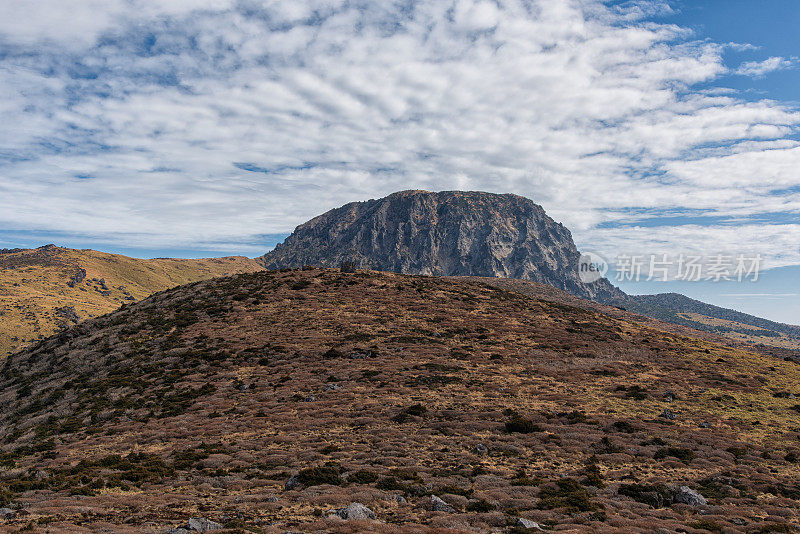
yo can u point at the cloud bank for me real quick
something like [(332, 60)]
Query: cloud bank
[(206, 124)]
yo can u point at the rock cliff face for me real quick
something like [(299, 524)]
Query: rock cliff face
[(451, 233)]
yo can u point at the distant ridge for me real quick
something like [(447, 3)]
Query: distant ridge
[(49, 288), (682, 310)]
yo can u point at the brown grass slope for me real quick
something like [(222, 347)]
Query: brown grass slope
[(386, 389), (46, 289)]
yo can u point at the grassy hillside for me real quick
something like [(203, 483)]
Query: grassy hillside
[(46, 289), (265, 401)]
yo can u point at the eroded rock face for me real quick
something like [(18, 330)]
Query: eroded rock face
[(451, 233)]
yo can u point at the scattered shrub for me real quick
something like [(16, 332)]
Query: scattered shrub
[(317, 476), (300, 284), (593, 475), (328, 449), (522, 479), (605, 446), (624, 427), (566, 494), (479, 506), (738, 452), (774, 528), (362, 477), (706, 524), (454, 490), (331, 354), (684, 455), (417, 410), (520, 425), (657, 495), (633, 392), (574, 417), (391, 484)]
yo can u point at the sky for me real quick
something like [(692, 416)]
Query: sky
[(200, 128)]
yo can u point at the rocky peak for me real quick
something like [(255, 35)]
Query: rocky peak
[(449, 233)]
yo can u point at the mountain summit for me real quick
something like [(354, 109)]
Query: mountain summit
[(449, 233)]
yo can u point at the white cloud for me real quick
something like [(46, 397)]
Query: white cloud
[(760, 68), (148, 116), (775, 243), (766, 169)]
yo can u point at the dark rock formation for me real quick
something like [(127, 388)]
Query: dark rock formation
[(66, 316), (451, 233), (78, 277)]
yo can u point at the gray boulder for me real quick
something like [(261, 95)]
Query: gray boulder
[(354, 511), (527, 523), (686, 495), (7, 513), (292, 483), (199, 524), (439, 505), (668, 414), (481, 449)]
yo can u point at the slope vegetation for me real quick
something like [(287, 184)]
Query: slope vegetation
[(264, 401), (49, 288)]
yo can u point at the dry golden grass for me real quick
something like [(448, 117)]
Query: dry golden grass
[(223, 389), (35, 283)]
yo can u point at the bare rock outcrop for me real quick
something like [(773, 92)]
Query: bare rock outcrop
[(450, 233)]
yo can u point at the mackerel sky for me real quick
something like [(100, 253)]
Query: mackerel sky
[(190, 127)]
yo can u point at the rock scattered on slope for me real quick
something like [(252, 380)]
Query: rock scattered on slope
[(439, 505), (292, 483), (686, 495), (669, 415), (197, 524), (527, 523), (354, 511)]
